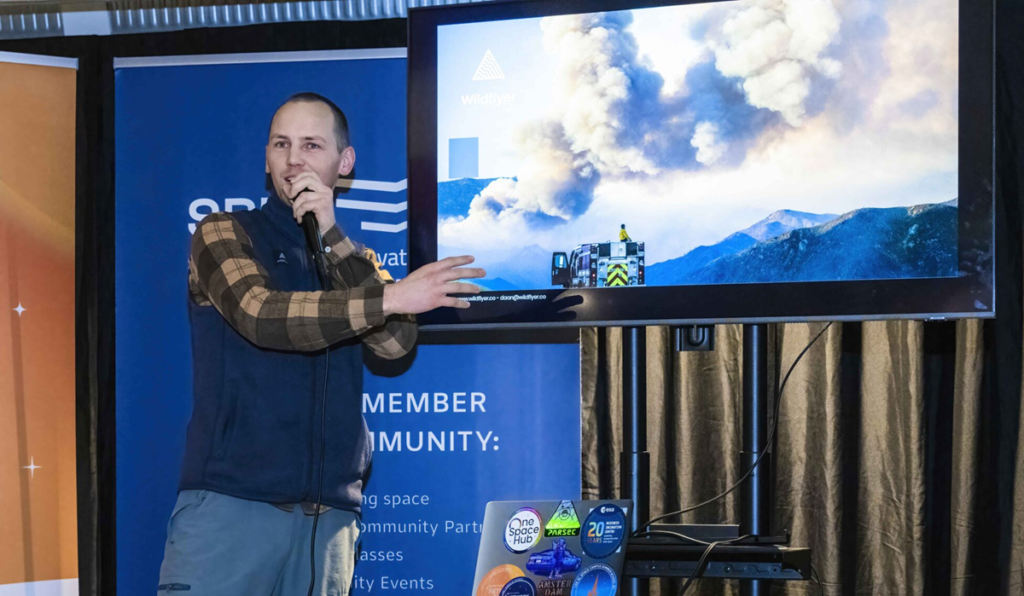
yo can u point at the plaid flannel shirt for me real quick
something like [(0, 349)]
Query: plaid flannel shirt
[(224, 273)]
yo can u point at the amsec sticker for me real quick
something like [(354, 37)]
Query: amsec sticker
[(603, 531), (596, 580), (523, 530)]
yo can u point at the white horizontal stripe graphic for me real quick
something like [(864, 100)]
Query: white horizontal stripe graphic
[(37, 60), (260, 58), (373, 185), (371, 206), (370, 226), (55, 587)]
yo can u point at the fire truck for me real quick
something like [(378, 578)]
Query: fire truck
[(600, 265)]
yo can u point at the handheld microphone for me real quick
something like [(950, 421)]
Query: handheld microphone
[(315, 243), (311, 228)]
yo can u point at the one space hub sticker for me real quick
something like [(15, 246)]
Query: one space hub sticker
[(523, 530), (603, 531)]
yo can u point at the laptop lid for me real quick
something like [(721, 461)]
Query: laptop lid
[(552, 548)]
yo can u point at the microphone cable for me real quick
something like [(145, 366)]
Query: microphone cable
[(320, 268), (320, 480)]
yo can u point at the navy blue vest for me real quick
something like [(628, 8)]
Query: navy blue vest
[(255, 427)]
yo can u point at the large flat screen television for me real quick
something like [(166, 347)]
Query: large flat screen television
[(617, 162)]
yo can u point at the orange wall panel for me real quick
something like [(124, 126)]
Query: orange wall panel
[(38, 497)]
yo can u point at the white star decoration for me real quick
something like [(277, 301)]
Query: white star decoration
[(32, 468), (19, 310)]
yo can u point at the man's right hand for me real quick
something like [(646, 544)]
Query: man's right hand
[(429, 287)]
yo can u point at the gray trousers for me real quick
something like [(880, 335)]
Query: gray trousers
[(219, 545)]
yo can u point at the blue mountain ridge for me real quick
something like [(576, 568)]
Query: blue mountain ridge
[(777, 223), (784, 220), (788, 245), (870, 243)]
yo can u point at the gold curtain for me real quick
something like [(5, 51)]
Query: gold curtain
[(896, 458)]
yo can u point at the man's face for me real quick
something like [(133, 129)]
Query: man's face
[(302, 140)]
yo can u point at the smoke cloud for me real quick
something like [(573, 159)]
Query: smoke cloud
[(778, 48), (590, 133), (706, 140), (768, 66)]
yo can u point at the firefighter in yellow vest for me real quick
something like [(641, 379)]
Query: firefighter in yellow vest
[(624, 235)]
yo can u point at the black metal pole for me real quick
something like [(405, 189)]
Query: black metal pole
[(756, 491), (635, 465)]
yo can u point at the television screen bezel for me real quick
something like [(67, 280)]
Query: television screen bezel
[(970, 295)]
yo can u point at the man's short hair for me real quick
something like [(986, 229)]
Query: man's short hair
[(340, 121)]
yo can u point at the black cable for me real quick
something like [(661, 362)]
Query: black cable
[(320, 481), (768, 442), (697, 571), (318, 264)]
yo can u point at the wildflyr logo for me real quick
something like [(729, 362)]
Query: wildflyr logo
[(489, 69)]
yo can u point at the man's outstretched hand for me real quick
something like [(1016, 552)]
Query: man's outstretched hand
[(429, 287)]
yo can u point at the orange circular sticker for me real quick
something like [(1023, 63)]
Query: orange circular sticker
[(496, 578)]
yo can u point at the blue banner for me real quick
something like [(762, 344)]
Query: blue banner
[(463, 426)]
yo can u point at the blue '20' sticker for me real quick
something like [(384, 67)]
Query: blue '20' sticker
[(603, 531)]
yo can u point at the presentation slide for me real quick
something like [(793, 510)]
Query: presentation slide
[(718, 143)]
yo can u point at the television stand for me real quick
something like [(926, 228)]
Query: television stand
[(756, 560)]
